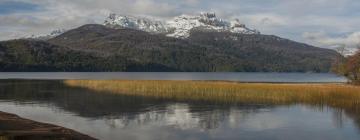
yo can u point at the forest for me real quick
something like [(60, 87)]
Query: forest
[(95, 48)]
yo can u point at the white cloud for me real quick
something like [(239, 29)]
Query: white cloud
[(351, 42), (152, 7), (286, 18), (192, 2), (67, 14), (269, 20)]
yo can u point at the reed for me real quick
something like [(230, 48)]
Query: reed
[(336, 95)]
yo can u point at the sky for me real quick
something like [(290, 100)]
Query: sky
[(323, 23)]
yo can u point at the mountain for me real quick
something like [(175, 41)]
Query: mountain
[(201, 43), (179, 27), (201, 51), (50, 35), (138, 23)]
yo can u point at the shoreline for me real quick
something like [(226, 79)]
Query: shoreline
[(14, 127), (227, 81), (243, 77)]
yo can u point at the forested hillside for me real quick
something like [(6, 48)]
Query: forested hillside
[(99, 48)]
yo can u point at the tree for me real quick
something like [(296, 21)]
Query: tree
[(353, 67), (348, 66), (339, 65)]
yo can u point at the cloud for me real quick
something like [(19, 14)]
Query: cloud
[(138, 7), (291, 19), (152, 7), (269, 20), (67, 14), (351, 42), (7, 7), (192, 2)]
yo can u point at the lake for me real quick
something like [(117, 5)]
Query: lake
[(228, 76), (109, 116)]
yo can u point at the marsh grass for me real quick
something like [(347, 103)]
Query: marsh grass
[(335, 95)]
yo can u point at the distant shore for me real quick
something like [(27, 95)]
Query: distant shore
[(254, 77), (13, 127)]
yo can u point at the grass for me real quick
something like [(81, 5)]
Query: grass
[(335, 95)]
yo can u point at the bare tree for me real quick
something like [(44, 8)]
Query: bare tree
[(340, 61), (353, 67)]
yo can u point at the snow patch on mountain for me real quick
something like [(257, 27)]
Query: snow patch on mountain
[(144, 24), (52, 34), (183, 25), (179, 27)]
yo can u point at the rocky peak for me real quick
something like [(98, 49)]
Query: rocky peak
[(207, 15), (138, 23), (179, 27)]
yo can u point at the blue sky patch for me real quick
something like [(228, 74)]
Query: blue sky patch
[(9, 7)]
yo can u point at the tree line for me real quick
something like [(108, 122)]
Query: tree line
[(349, 67)]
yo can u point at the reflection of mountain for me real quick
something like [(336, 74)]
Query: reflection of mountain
[(120, 110), (181, 116), (83, 102), (125, 111)]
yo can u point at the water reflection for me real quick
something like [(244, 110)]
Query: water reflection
[(109, 116)]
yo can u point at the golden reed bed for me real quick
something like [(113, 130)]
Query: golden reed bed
[(335, 95)]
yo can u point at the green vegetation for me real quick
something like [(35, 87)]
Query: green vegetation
[(98, 48), (349, 67), (30, 55)]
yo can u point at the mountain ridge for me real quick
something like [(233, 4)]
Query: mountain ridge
[(201, 51), (180, 26), (201, 43)]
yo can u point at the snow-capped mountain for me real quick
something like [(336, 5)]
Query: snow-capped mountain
[(182, 25), (52, 34), (144, 24), (179, 27)]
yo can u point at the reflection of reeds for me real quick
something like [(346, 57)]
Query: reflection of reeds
[(4, 138), (336, 95)]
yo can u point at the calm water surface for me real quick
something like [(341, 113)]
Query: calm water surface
[(235, 76), (109, 117)]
